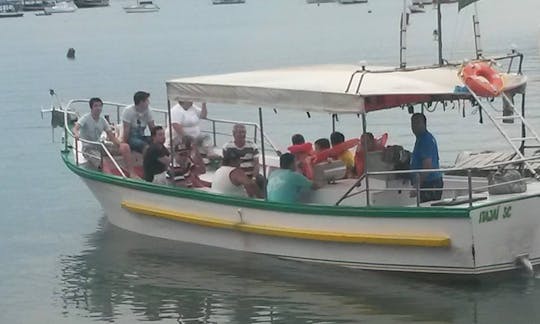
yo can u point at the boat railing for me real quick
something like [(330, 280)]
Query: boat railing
[(416, 175), (163, 113), (214, 122)]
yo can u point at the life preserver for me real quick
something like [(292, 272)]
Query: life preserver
[(359, 157), (335, 151), (300, 148), (482, 79)]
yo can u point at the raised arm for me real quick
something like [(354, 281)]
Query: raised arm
[(204, 111)]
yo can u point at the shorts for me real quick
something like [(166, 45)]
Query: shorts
[(137, 143)]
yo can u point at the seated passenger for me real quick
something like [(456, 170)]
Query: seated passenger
[(90, 126), (302, 151), (185, 120), (230, 179), (367, 140), (186, 170), (135, 118), (346, 156), (248, 153), (284, 184), (322, 144), (156, 158)]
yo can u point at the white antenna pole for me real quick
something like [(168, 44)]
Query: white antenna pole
[(476, 28), (403, 36)]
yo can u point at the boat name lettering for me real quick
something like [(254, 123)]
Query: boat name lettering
[(493, 214)]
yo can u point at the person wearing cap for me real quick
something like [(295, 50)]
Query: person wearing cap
[(135, 119), (231, 180)]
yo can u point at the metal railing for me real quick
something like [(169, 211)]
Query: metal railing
[(117, 107), (469, 188)]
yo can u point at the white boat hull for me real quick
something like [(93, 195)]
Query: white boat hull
[(479, 241)]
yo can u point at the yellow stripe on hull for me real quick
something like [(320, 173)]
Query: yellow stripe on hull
[(366, 238)]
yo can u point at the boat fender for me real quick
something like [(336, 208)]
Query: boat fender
[(482, 79), (335, 151)]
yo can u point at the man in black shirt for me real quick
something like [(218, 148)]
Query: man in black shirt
[(156, 158)]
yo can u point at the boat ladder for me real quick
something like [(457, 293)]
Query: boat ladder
[(499, 122)]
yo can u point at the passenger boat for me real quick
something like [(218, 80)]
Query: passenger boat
[(142, 6), (60, 7), (372, 222)]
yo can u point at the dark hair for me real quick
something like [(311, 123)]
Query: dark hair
[(336, 138), (419, 115), (229, 156), (154, 130), (94, 100), (286, 161), (322, 143), (140, 96), (297, 139)]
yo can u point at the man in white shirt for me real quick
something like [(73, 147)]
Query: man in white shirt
[(185, 119)]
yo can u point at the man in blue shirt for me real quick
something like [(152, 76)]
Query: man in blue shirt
[(425, 156), (285, 185)]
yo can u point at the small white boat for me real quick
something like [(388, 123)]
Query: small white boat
[(416, 7), (216, 2), (352, 1), (9, 11), (142, 6), (60, 7)]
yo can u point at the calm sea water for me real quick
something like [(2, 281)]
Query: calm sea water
[(62, 262)]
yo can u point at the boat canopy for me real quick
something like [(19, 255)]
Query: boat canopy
[(328, 88)]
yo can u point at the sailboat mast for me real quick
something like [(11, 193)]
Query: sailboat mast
[(439, 30)]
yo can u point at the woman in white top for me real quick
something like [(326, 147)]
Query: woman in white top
[(231, 180)]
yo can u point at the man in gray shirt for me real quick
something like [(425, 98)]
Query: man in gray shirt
[(135, 118), (90, 126)]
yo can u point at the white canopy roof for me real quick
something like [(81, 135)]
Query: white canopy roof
[(321, 88)]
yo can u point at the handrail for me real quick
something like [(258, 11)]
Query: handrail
[(67, 111), (442, 170)]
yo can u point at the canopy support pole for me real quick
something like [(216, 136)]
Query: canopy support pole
[(365, 146), (170, 132), (439, 30), (262, 150)]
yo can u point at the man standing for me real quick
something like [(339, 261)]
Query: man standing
[(90, 126), (425, 156), (248, 152), (135, 118), (156, 158), (285, 185)]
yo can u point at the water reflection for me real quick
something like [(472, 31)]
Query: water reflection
[(127, 276)]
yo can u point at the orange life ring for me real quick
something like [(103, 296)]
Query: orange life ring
[(335, 151), (482, 79), (300, 148)]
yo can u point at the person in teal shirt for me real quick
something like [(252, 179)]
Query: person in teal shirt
[(285, 185)]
